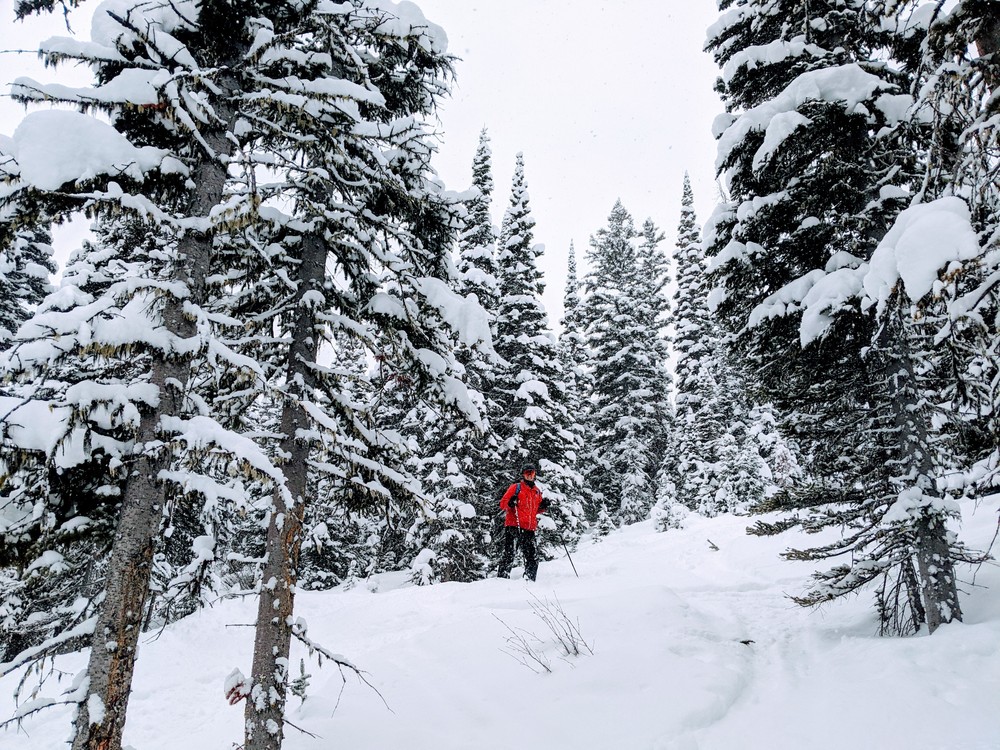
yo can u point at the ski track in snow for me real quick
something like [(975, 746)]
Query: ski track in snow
[(665, 615)]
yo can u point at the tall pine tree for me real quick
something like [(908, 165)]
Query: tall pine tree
[(700, 421), (629, 412), (534, 423)]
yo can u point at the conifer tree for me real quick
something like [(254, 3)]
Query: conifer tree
[(384, 226), (25, 269), (477, 262), (174, 186), (533, 424), (962, 58), (466, 471), (366, 255), (817, 150), (657, 319), (573, 361), (724, 444), (697, 345), (629, 409), (459, 463), (572, 344)]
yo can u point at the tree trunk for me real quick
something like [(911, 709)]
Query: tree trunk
[(930, 543), (988, 39), (937, 571), (101, 718), (265, 706)]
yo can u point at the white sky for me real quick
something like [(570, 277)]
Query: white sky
[(606, 99)]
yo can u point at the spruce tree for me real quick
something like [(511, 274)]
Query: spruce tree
[(629, 413), (365, 254), (572, 344), (169, 146), (961, 311), (816, 148), (533, 424), (25, 269), (700, 422), (477, 262), (220, 249), (573, 361), (464, 468), (657, 319), (724, 446)]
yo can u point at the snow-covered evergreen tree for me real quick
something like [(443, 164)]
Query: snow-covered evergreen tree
[(25, 263), (573, 361), (701, 413), (629, 412), (477, 262), (724, 445), (534, 423), (657, 318), (572, 344), (224, 244), (463, 470), (817, 151), (364, 252), (131, 349), (962, 59)]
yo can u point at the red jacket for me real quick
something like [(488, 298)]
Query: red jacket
[(529, 505)]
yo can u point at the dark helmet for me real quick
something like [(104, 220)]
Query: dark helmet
[(528, 467)]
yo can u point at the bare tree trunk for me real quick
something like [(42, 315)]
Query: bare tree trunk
[(937, 572), (101, 718), (917, 614), (931, 548), (265, 706)]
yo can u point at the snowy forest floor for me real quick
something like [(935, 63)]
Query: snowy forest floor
[(666, 616)]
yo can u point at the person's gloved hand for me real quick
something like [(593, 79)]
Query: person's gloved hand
[(512, 503)]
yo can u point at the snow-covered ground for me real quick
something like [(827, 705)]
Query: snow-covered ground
[(667, 617)]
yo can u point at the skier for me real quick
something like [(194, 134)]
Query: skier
[(522, 502)]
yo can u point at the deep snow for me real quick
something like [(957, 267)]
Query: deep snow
[(665, 615)]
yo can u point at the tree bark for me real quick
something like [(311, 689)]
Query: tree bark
[(930, 542), (988, 39), (265, 707), (101, 717)]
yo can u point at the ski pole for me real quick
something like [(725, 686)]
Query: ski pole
[(568, 555)]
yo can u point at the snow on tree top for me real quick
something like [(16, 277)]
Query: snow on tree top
[(158, 19), (405, 18), (727, 20)]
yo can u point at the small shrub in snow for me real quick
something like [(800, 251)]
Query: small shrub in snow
[(565, 630), (421, 569), (605, 523), (528, 649)]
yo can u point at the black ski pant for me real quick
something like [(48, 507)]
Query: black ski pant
[(526, 541)]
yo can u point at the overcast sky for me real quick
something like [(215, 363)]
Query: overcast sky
[(606, 100)]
